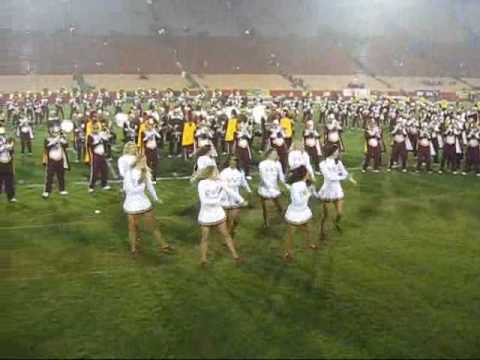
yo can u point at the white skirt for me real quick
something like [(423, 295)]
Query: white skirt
[(268, 193), (331, 191), (135, 204), (297, 216), (211, 215)]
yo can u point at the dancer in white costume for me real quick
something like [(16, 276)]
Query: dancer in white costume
[(136, 180), (298, 213), (299, 157), (211, 191), (271, 173), (331, 192), (234, 179)]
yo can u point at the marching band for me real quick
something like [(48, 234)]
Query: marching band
[(205, 127)]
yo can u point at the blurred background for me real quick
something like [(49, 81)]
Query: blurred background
[(374, 37)]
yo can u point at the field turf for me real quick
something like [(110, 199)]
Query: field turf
[(403, 280)]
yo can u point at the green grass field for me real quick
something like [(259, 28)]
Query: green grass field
[(403, 280)]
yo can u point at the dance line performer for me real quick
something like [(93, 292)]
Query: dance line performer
[(136, 205), (271, 173), (297, 157), (234, 179), (212, 215), (298, 214), (331, 191)]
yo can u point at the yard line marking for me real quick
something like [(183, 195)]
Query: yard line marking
[(166, 178), (93, 219)]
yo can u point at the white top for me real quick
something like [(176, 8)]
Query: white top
[(210, 193), (136, 201), (298, 212), (270, 173), (233, 179), (333, 172), (124, 163), (297, 158), (205, 161)]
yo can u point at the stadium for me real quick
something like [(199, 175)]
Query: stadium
[(135, 135)]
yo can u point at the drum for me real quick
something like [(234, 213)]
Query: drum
[(450, 139), (279, 141), (243, 143), (333, 137), (473, 143), (399, 138), (99, 150), (5, 158), (373, 142), (67, 126), (203, 142), (424, 142), (310, 142), (151, 144), (55, 154)]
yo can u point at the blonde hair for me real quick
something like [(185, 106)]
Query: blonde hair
[(207, 173), (141, 164)]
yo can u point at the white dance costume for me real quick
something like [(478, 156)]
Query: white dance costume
[(136, 202), (270, 173), (333, 172), (297, 158), (205, 161), (210, 193), (298, 212), (233, 179)]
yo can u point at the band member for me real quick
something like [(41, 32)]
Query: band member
[(234, 179), (271, 173), (277, 141), (298, 213), (59, 107), (96, 142), (212, 215), (412, 131), (174, 138), (7, 166), (425, 149), (333, 133), (137, 179), (399, 146), (79, 138), (231, 127), (188, 137), (437, 138), (311, 139), (451, 148), (25, 133), (331, 191), (373, 139), (242, 148), (129, 129), (472, 156), (55, 160), (297, 157), (287, 125), (151, 139)]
